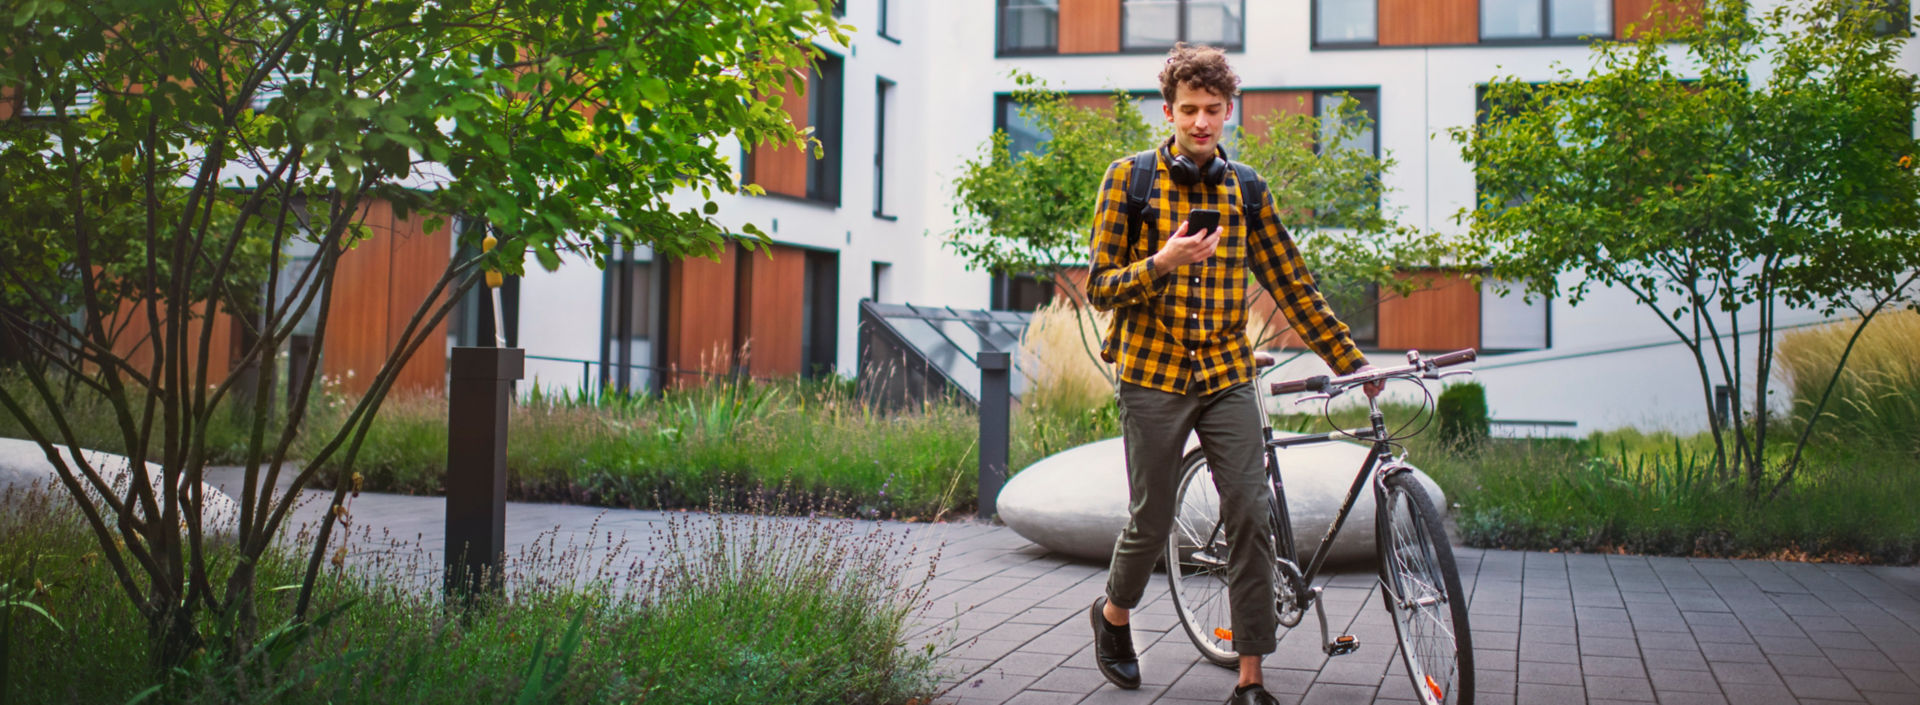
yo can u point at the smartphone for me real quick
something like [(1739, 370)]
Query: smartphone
[(1200, 220)]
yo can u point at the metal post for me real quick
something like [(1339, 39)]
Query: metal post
[(477, 403), (995, 398)]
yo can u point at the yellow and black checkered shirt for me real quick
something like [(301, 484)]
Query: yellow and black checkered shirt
[(1186, 330)]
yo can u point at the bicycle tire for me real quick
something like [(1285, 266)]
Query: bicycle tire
[(1196, 564), (1421, 587)]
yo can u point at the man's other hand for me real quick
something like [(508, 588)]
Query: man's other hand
[(1183, 249), (1371, 388)]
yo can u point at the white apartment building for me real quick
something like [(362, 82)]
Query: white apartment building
[(924, 84)]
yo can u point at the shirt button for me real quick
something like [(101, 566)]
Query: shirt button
[(1194, 316), (1196, 280)]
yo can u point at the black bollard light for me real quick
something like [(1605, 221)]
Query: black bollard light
[(477, 402), (995, 397)]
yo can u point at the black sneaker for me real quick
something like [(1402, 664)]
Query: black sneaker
[(1255, 694), (1113, 649)]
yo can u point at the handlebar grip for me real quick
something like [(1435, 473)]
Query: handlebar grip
[(1316, 383), (1456, 357)]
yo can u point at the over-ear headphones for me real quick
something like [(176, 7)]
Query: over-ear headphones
[(1185, 173)]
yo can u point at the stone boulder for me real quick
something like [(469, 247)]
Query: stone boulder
[(24, 465), (1075, 501)]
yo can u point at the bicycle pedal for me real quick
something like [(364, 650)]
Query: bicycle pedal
[(1343, 645)]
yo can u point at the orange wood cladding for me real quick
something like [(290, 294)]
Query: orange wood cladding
[(134, 341), (700, 317), (768, 311), (1089, 26), (1428, 22), (1444, 315), (1092, 101), (1627, 13), (6, 102), (377, 287), (782, 169), (1257, 106)]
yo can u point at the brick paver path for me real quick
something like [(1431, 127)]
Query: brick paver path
[(1010, 620)]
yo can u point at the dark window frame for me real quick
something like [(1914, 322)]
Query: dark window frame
[(826, 113), (1181, 32), (1003, 107), (883, 27), (882, 89), (1546, 36), (1313, 30), (1353, 93), (1000, 35)]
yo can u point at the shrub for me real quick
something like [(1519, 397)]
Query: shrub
[(1463, 415)]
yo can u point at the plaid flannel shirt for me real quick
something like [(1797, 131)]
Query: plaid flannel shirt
[(1186, 330)]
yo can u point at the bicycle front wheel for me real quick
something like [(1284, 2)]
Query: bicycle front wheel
[(1422, 591), (1197, 564)]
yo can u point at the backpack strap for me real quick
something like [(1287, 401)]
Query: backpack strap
[(1253, 191), (1139, 190)]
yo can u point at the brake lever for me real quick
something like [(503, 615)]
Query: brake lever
[(1311, 397), (1436, 374)]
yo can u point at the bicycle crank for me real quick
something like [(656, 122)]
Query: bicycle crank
[(1337, 646)]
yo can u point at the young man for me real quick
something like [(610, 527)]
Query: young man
[(1179, 338)]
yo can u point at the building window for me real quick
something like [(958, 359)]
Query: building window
[(1029, 26), (1024, 134), (819, 313), (1357, 304), (839, 8), (1019, 292), (881, 90), (882, 279), (1511, 322), (1346, 21), (1367, 137), (629, 296), (884, 26), (1899, 17), (1545, 19), (825, 105), (1155, 25)]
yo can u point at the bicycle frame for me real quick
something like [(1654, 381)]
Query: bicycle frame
[(1378, 465)]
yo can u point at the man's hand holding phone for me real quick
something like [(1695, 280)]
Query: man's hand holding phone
[(1186, 247)]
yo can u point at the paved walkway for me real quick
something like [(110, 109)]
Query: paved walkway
[(1548, 628)]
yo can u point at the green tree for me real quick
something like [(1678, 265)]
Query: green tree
[(1030, 213), (1766, 162), (187, 144)]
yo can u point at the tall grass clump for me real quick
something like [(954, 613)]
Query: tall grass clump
[(1060, 351), (730, 608), (1876, 400)]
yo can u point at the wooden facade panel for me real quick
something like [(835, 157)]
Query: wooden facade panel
[(356, 343), (1429, 22), (1089, 26), (1628, 13), (1257, 107), (6, 102), (1443, 316), (135, 342), (418, 260), (782, 169), (770, 312), (700, 316)]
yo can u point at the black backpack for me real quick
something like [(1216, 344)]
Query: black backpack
[(1253, 192)]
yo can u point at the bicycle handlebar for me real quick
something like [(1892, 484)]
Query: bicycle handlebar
[(1415, 365)]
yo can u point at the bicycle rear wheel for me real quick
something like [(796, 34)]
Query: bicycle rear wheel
[(1421, 587)]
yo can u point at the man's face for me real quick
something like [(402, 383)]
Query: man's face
[(1199, 116)]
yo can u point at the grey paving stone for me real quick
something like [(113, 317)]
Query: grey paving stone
[(1629, 667), (1744, 694), (1041, 697), (1721, 653), (1339, 694), (1683, 681), (1493, 659), (1824, 688), (1497, 641), (1881, 680), (1789, 666), (1689, 698), (1605, 646), (1550, 673), (1544, 693), (1620, 688), (1746, 674), (1548, 653), (1072, 680), (1673, 659)]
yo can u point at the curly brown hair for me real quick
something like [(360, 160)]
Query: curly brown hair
[(1197, 66)]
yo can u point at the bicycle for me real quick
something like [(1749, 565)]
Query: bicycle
[(1418, 580)]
